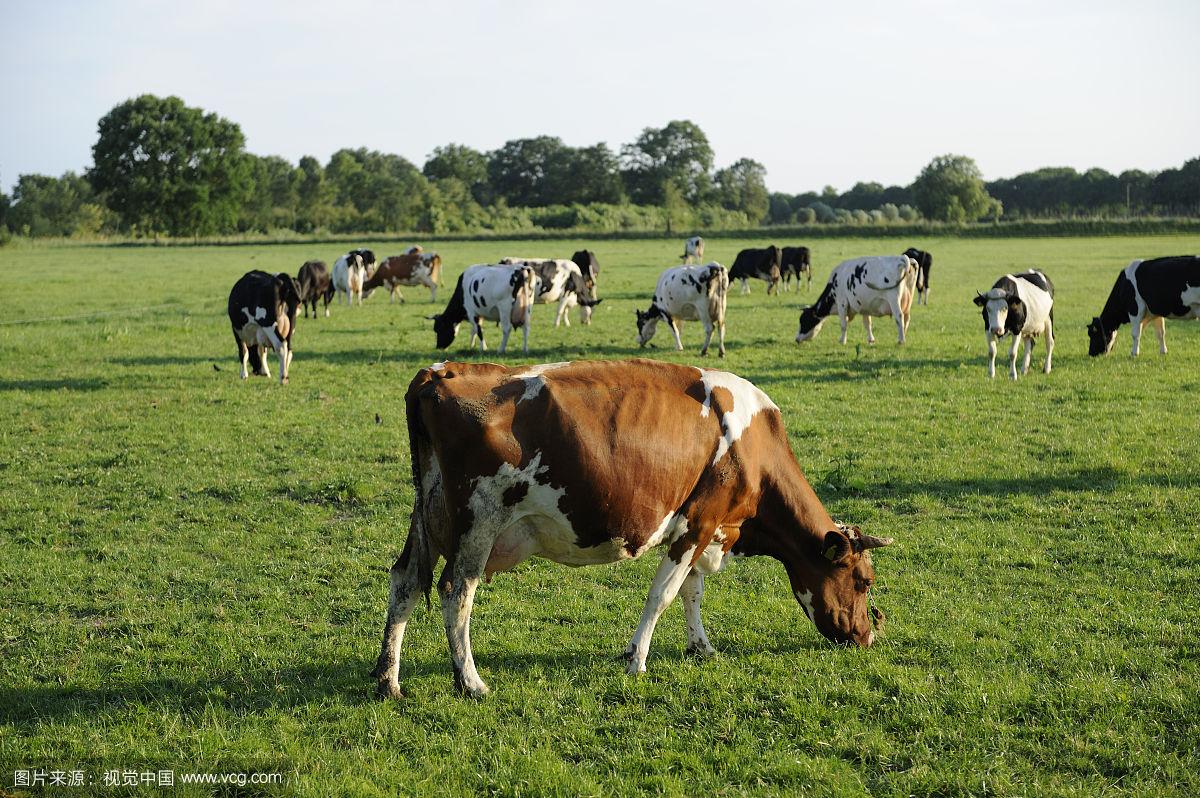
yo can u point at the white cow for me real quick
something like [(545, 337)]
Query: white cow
[(693, 248), (1023, 305), (492, 293), (563, 282), (349, 274), (881, 285), (688, 293)]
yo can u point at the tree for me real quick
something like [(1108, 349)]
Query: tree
[(743, 187), (375, 191), (314, 196), (678, 153), (166, 167), (275, 198), (589, 174), (864, 196), (458, 161), (951, 189), (53, 206), (529, 172)]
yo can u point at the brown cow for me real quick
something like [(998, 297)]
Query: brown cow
[(315, 283), (411, 268), (599, 461)]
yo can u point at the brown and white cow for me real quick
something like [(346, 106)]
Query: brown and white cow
[(599, 461), (411, 268)]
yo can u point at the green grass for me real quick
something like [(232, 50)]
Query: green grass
[(193, 568)]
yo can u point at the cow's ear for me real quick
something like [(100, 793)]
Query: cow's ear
[(836, 546), (980, 300)]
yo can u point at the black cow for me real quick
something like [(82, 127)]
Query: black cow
[(762, 264), (315, 284), (262, 310), (924, 264), (585, 259), (795, 262), (1146, 291)]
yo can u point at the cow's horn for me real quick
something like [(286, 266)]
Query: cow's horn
[(872, 542)]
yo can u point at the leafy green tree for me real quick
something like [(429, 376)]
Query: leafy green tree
[(529, 172), (314, 196), (1177, 191), (823, 212), (51, 206), (458, 161), (679, 153), (166, 167), (274, 201), (676, 212), (375, 191), (587, 175), (951, 189), (779, 208), (864, 196), (890, 212), (806, 215), (742, 186)]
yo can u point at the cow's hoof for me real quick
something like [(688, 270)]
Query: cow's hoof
[(476, 691), (635, 668), (388, 691), (721, 353), (700, 650)]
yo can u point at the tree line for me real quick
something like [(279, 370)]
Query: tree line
[(161, 167)]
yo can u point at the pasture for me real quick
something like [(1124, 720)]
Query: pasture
[(193, 568)]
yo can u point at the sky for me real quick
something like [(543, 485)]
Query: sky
[(820, 93)]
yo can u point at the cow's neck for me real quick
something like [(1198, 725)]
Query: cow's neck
[(1116, 309), (790, 525)]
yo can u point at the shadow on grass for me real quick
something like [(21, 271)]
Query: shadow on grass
[(169, 360), (69, 384), (1104, 478)]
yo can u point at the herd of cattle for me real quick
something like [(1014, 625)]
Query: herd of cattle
[(513, 463), (262, 307)]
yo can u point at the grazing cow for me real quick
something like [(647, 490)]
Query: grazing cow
[(693, 249), (349, 274), (874, 286), (1147, 291), (598, 462), (688, 293), (924, 264), (315, 283), (586, 260), (562, 282), (1023, 305), (795, 261), (495, 293), (762, 264), (412, 268), (262, 309)]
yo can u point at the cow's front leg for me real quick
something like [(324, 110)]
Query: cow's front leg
[(1012, 356), (867, 327), (901, 321), (456, 588), (845, 320), (691, 594), (1160, 327), (675, 331), (745, 286), (667, 581), (1049, 345), (479, 333), (1135, 330), (991, 345)]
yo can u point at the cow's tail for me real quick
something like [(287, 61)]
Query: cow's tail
[(418, 544), (524, 294), (718, 290)]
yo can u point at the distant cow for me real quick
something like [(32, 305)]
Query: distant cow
[(762, 264), (924, 264), (1023, 306), (874, 286), (693, 249), (412, 268), (315, 283), (561, 282), (585, 259), (795, 262), (262, 310), (1147, 291), (688, 293), (349, 274), (603, 461), (492, 293)]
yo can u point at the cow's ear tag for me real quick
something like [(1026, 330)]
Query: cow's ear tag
[(831, 553)]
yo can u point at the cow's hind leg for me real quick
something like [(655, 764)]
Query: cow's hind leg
[(867, 326), (1012, 356), (1028, 355), (675, 332), (691, 594), (456, 588), (407, 585), (1160, 327)]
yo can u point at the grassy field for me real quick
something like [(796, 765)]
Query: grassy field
[(193, 568)]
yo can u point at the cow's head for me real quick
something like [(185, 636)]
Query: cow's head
[(1100, 340), (838, 599), (647, 323), (445, 329), (813, 316), (1002, 310)]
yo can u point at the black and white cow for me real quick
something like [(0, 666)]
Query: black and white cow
[(349, 274), (493, 293), (560, 282), (1148, 291), (693, 249), (924, 264), (762, 264), (586, 260), (795, 262), (262, 311), (880, 285), (1021, 305), (315, 283), (688, 293)]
